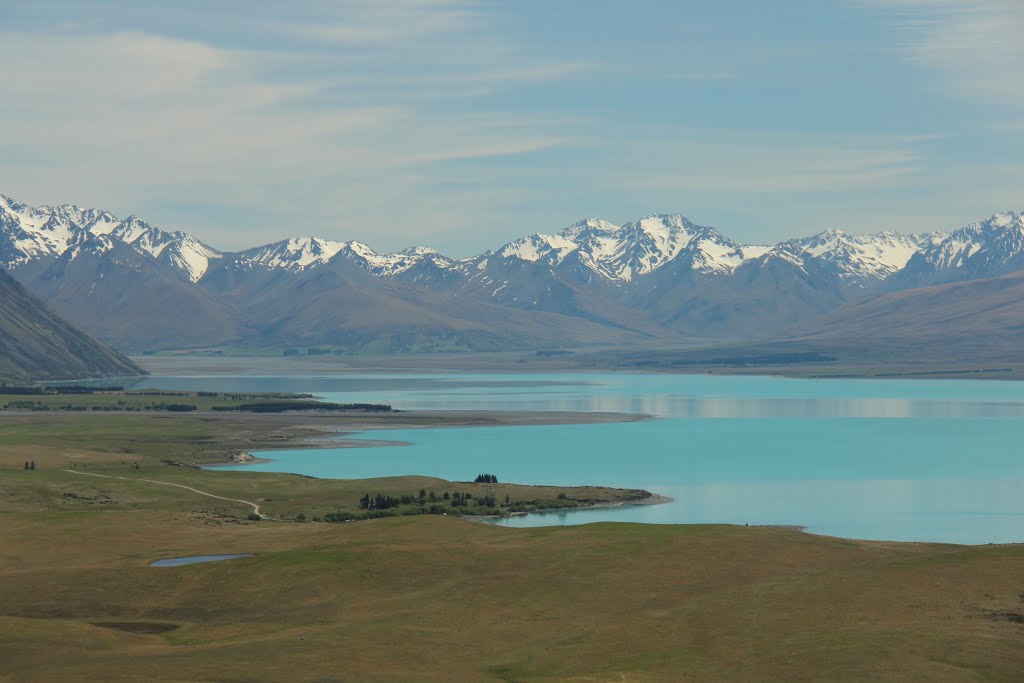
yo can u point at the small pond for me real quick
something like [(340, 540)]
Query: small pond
[(194, 559)]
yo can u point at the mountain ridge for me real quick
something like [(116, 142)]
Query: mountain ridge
[(619, 253), (593, 282)]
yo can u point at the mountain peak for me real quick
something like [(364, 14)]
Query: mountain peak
[(419, 251), (589, 225), (294, 253), (1005, 219)]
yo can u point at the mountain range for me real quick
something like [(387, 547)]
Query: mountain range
[(656, 280)]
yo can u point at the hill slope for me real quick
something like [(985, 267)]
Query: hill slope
[(960, 322), (35, 344)]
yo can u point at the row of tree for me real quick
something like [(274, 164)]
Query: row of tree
[(456, 500), (486, 479), (380, 502)]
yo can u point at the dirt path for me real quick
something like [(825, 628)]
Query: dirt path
[(255, 507)]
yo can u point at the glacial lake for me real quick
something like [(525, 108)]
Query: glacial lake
[(908, 460)]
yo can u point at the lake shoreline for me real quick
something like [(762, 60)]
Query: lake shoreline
[(333, 440), (652, 499), (334, 430), (582, 361)]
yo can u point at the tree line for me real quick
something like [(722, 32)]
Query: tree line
[(456, 499)]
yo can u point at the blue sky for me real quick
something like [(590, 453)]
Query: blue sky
[(465, 124)]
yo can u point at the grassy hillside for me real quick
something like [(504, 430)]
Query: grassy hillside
[(35, 344)]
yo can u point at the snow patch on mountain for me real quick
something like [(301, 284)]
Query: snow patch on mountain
[(858, 260), (179, 250), (753, 251), (624, 253), (300, 253), (986, 248), (392, 265), (551, 249), (297, 253), (29, 233)]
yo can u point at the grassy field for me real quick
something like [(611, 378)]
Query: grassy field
[(70, 450), (154, 400), (431, 597)]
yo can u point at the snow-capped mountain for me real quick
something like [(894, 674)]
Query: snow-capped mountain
[(659, 276), (988, 248), (300, 253), (627, 253), (297, 253), (28, 234), (858, 261), (179, 250), (393, 265), (624, 255)]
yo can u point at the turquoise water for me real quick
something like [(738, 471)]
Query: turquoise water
[(935, 460)]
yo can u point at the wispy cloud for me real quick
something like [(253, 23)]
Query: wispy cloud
[(752, 162), (976, 45), (462, 122), (387, 21), (130, 119)]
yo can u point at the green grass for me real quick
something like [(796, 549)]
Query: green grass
[(139, 446), (431, 598), (155, 400), (439, 598)]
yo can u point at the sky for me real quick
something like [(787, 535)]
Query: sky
[(464, 124)]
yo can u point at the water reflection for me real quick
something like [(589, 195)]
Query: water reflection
[(687, 396), (675, 406)]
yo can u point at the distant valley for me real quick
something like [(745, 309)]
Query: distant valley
[(654, 282)]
